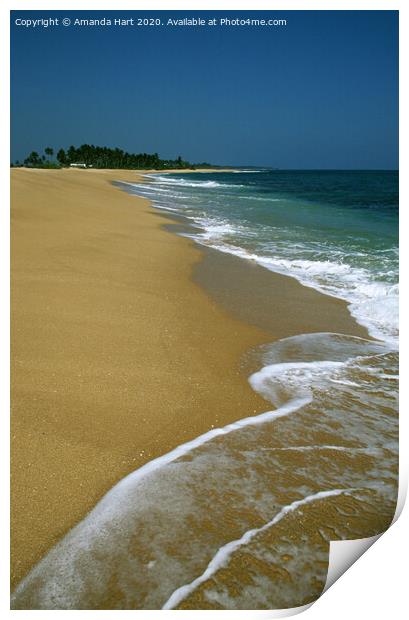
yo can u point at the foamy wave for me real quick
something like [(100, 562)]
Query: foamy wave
[(373, 304), (299, 376), (215, 229), (287, 408), (165, 208), (249, 171), (372, 298), (137, 533), (263, 199), (57, 580), (224, 554), (351, 275), (310, 365), (171, 181)]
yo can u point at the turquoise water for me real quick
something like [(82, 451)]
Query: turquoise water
[(336, 231)]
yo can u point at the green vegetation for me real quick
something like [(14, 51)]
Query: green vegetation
[(91, 156), (34, 160)]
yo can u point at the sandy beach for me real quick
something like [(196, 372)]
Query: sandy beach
[(118, 354), (204, 305), (115, 356)]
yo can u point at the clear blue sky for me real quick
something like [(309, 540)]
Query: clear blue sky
[(318, 93)]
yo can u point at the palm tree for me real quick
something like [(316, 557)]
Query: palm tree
[(102, 157), (72, 154), (33, 159), (61, 156)]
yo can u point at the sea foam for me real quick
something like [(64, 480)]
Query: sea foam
[(156, 505), (362, 277), (224, 554)]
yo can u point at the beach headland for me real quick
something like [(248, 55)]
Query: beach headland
[(118, 355)]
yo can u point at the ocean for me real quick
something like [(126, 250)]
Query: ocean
[(241, 517), (336, 231)]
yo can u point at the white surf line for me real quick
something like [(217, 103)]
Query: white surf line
[(224, 553), (271, 370), (290, 407), (115, 496)]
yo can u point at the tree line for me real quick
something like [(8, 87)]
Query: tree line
[(102, 157)]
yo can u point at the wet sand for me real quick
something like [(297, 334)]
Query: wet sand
[(272, 302), (118, 355)]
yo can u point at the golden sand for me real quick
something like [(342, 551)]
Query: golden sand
[(117, 355)]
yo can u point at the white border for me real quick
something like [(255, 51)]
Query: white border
[(375, 586)]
